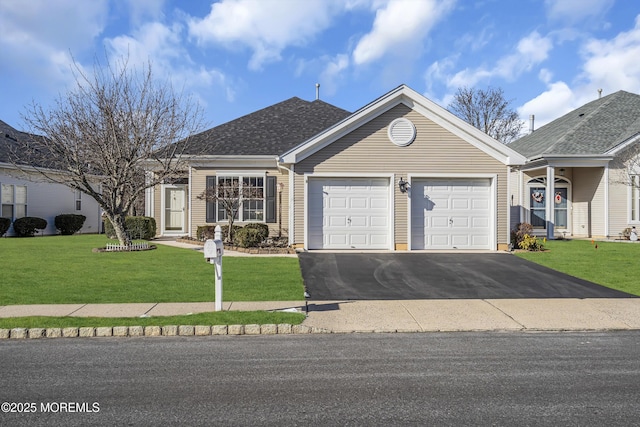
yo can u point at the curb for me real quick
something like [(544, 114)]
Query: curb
[(157, 331)]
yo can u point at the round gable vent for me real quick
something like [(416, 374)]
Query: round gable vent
[(402, 132)]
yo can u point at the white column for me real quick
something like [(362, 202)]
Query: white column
[(549, 201)]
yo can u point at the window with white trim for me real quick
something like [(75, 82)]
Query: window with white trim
[(538, 202), (14, 201), (78, 197), (634, 196), (250, 208)]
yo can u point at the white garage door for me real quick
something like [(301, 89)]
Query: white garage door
[(451, 214), (348, 213)]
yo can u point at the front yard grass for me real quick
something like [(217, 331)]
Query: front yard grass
[(218, 318), (615, 265), (64, 270)]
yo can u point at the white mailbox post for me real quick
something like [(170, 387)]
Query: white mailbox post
[(213, 251)]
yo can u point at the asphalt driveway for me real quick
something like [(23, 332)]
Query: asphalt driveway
[(406, 276)]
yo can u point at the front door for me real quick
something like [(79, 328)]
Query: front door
[(174, 209)]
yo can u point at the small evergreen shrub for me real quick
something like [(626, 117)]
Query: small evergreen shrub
[(69, 224), (261, 227), (137, 227), (5, 223), (225, 232), (248, 237), (27, 226)]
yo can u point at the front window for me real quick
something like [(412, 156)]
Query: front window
[(247, 191), (14, 201)]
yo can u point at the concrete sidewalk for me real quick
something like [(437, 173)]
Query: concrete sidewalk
[(395, 316)]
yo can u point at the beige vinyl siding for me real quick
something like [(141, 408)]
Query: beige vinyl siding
[(157, 212), (198, 207), (588, 217), (619, 203), (367, 150)]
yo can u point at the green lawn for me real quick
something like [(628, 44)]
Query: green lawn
[(63, 269), (218, 318), (612, 264)]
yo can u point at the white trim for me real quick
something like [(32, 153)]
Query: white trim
[(405, 95), (549, 205), (232, 161), (163, 209), (493, 239), (189, 187), (291, 199), (508, 205), (606, 201), (569, 186), (320, 175), (624, 144)]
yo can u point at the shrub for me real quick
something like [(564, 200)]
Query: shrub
[(5, 223), (248, 237), (530, 243), (27, 226), (261, 227), (517, 234), (69, 224), (137, 227)]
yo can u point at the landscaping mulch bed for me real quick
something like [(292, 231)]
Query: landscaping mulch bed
[(255, 251)]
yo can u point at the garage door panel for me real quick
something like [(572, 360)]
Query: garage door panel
[(354, 213), (451, 213)]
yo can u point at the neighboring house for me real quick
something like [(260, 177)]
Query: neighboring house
[(401, 173), (573, 181), (24, 193)]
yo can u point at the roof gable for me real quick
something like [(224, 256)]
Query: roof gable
[(597, 128), (405, 95), (269, 131)]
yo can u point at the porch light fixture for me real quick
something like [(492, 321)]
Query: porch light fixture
[(561, 172), (403, 185)]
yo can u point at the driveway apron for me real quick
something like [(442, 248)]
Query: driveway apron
[(406, 276)]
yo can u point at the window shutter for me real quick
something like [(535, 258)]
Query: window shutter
[(211, 204), (270, 200)]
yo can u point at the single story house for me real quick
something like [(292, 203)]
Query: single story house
[(401, 173), (25, 193), (576, 180)]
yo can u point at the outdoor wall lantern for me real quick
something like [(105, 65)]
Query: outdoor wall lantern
[(403, 185)]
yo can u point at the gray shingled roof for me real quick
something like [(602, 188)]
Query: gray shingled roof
[(592, 129), (270, 131), (9, 138)]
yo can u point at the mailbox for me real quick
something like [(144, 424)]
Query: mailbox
[(213, 249)]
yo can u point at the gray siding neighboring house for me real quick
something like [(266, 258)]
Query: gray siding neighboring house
[(573, 181), (24, 193)]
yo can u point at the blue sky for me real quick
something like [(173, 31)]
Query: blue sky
[(237, 56)]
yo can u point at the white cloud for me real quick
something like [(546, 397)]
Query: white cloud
[(556, 101), (398, 23), (266, 27), (331, 76), (530, 51), (38, 35), (572, 11)]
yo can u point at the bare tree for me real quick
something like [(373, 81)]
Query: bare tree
[(105, 130), (488, 111), (230, 194)]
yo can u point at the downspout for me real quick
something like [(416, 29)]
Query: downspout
[(291, 200)]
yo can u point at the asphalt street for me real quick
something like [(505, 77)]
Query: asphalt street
[(338, 379)]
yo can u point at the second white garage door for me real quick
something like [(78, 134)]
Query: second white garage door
[(348, 213), (451, 214)]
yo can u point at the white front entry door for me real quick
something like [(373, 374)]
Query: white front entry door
[(451, 214), (174, 209), (348, 213)]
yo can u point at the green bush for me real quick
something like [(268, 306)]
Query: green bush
[(137, 227), (27, 226), (5, 223), (248, 237), (69, 224), (262, 228)]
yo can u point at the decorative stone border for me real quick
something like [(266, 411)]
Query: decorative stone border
[(157, 331), (253, 251)]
